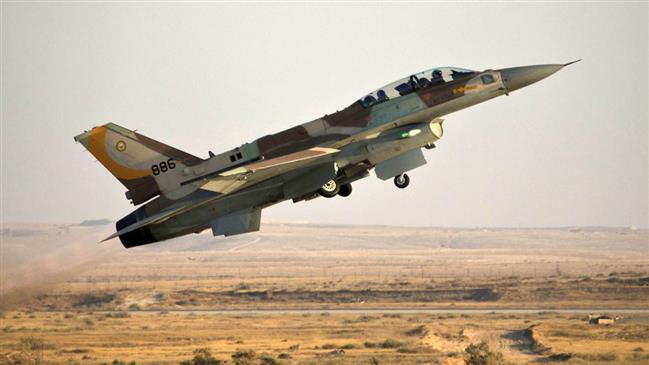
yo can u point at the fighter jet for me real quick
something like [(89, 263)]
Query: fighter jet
[(384, 131)]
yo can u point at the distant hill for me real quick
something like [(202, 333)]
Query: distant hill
[(32, 252), (95, 222)]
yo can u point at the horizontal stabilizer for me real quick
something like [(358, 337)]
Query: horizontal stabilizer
[(156, 218)]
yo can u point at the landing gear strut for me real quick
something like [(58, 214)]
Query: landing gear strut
[(330, 189), (402, 181)]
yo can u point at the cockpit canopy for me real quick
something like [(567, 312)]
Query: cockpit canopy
[(428, 78)]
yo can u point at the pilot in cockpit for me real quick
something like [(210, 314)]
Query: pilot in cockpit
[(437, 78), (382, 96)]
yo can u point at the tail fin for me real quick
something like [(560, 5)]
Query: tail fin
[(146, 167)]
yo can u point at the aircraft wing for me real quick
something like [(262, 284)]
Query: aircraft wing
[(236, 179), (232, 180)]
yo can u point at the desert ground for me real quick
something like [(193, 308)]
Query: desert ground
[(310, 294)]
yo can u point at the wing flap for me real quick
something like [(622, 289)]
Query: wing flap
[(237, 178)]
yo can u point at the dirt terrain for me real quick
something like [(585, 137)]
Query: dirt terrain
[(68, 299)]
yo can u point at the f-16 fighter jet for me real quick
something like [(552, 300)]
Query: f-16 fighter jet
[(384, 130)]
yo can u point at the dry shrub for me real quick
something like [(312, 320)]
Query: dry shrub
[(92, 299), (413, 349), (349, 346), (391, 315), (294, 347), (417, 331), (386, 344), (202, 356), (119, 362), (546, 313), (30, 351), (120, 314), (636, 356), (560, 357), (481, 354), (244, 357), (242, 286), (606, 356), (268, 360), (366, 318)]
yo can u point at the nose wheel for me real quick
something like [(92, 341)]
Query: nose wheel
[(402, 181)]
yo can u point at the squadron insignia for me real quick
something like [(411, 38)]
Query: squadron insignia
[(120, 146)]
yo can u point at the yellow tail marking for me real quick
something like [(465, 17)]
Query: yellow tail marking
[(97, 146)]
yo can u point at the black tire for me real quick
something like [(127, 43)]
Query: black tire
[(430, 146), (345, 190), (330, 189), (402, 181)]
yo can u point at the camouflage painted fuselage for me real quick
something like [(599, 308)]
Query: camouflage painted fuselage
[(422, 105)]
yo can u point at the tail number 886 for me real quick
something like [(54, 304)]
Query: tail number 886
[(163, 166)]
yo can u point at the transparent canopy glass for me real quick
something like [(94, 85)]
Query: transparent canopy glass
[(428, 78)]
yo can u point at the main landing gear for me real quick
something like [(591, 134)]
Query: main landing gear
[(330, 189), (345, 190), (333, 188), (402, 181)]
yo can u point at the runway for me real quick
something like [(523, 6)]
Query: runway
[(394, 311)]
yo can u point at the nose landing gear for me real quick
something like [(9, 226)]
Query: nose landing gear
[(402, 181)]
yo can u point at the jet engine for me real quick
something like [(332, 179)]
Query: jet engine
[(138, 237), (153, 232)]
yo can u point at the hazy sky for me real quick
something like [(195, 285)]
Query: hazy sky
[(570, 150)]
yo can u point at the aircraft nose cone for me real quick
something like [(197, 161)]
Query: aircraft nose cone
[(517, 77)]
